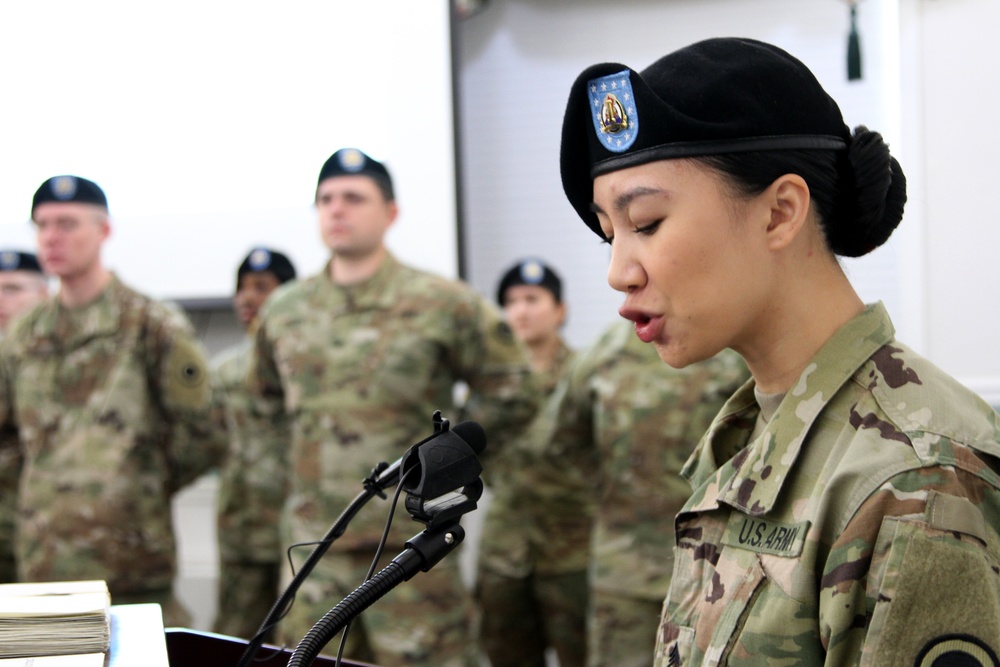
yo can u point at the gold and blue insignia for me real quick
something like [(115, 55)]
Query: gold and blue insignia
[(612, 106), (9, 260), (532, 272), (351, 159), (259, 259), (63, 187)]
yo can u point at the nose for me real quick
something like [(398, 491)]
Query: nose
[(625, 274)]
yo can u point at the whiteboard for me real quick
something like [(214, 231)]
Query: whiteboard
[(206, 124)]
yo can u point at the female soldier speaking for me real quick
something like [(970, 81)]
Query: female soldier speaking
[(846, 502)]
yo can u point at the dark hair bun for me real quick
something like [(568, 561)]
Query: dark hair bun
[(875, 191)]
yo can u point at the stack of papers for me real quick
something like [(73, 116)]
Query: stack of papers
[(56, 618)]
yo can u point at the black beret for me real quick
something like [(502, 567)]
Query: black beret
[(530, 272), (264, 259), (69, 189), (352, 162), (15, 260), (718, 96)]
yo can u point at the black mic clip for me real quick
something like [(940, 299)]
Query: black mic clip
[(448, 485), (384, 475)]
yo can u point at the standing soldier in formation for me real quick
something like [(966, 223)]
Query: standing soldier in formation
[(22, 286), (529, 603), (348, 368), (109, 394), (250, 492), (616, 433), (846, 500)]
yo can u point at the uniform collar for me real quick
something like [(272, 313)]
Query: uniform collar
[(378, 291), (760, 468), (100, 317)]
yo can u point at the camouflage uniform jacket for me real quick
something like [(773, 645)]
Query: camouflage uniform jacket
[(251, 487), (115, 413), (506, 546), (858, 527), (345, 377), (623, 424)]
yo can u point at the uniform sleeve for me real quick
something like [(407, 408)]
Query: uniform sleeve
[(564, 469), (7, 374), (192, 405), (503, 396), (915, 576), (253, 480)]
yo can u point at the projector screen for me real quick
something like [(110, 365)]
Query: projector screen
[(206, 123)]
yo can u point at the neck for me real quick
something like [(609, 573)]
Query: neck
[(348, 269), (543, 353), (799, 324), (81, 289)]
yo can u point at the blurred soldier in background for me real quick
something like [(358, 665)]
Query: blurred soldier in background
[(250, 492), (22, 287), (109, 393), (348, 368), (618, 429), (528, 603)]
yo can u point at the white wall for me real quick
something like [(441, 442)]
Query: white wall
[(950, 54), (207, 123)]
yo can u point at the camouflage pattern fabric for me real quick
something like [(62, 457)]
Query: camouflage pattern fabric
[(247, 591), (524, 612), (423, 621), (621, 628), (115, 413), (859, 526), (523, 617), (346, 377), (10, 473), (619, 429), (251, 492)]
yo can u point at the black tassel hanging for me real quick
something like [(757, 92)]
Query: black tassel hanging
[(853, 47)]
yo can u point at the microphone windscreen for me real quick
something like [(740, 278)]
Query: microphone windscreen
[(473, 434)]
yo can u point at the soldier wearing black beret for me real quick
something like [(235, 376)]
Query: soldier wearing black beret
[(107, 391), (249, 575), (347, 367), (845, 500), (259, 274), (22, 284), (532, 586)]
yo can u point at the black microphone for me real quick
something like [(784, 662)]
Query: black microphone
[(469, 432), (442, 477)]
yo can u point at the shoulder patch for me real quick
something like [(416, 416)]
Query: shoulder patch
[(504, 332), (956, 651), (185, 375)]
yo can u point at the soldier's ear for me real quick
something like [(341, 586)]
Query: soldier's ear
[(788, 200)]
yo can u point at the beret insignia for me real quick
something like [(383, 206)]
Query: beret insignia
[(612, 103), (63, 187)]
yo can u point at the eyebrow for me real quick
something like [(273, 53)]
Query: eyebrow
[(623, 200)]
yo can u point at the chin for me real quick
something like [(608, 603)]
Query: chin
[(677, 358)]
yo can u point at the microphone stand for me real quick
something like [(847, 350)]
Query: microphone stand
[(374, 485), (422, 552), (449, 486)]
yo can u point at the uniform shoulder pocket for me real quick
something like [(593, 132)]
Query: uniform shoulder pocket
[(935, 592)]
